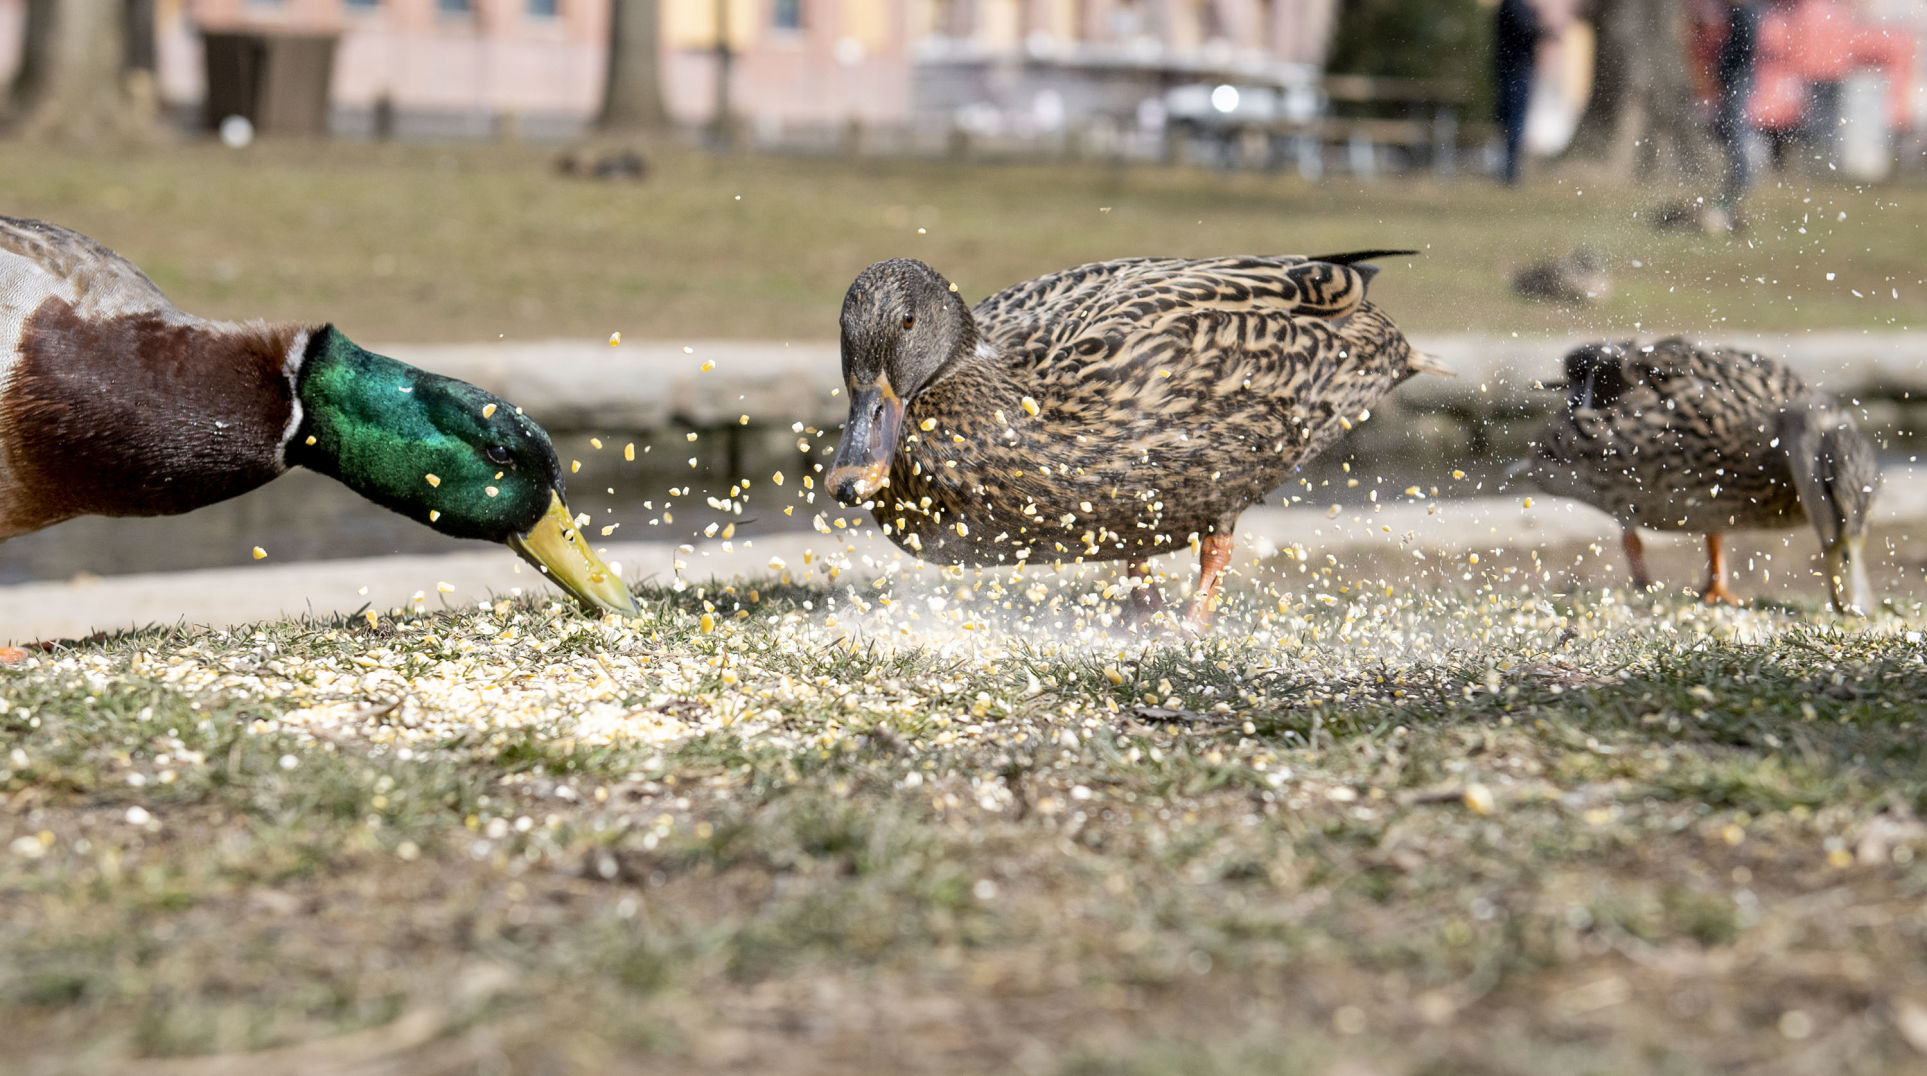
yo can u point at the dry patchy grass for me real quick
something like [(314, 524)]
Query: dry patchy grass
[(1425, 833)]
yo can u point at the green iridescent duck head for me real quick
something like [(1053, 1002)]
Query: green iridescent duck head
[(448, 454)]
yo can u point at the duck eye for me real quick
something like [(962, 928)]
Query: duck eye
[(909, 320), (497, 455)]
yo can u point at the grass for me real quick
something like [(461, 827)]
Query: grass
[(1426, 834), (412, 243)]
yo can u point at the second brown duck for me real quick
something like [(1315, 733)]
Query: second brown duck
[(1675, 436), (1112, 411)]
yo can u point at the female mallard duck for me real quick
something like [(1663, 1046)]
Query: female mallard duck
[(1113, 411), (1682, 438), (114, 403)]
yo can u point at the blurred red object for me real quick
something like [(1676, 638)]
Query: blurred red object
[(1803, 42)]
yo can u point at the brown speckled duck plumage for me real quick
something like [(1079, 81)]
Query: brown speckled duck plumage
[(1112, 411), (1673, 436)]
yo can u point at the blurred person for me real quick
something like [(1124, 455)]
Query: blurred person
[(1515, 46), (1733, 75)]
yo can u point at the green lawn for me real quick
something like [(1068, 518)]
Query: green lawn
[(1363, 832), (468, 243)]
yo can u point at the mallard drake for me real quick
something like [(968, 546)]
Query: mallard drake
[(114, 403), (1113, 411), (1676, 437)]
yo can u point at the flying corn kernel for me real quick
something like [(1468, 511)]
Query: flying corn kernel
[(488, 410), (777, 478), (595, 443), (575, 466), (310, 439), (708, 623), (927, 425), (708, 365), (614, 339), (1029, 405), (1478, 799), (629, 451), (259, 553), (434, 514), (491, 491), (445, 588), (432, 479)]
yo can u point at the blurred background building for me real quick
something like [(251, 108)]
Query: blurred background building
[(1250, 80), (456, 66)]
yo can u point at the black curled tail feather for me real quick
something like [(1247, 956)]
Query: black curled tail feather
[(1356, 259), (1356, 256)]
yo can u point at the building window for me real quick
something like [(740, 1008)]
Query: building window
[(1210, 21), (787, 15), (545, 9), (951, 18)]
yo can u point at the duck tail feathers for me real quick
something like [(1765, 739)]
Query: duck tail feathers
[(1357, 256), (1421, 363), (1355, 260)]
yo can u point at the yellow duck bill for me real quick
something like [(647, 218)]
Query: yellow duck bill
[(1846, 568), (558, 548), (862, 463)]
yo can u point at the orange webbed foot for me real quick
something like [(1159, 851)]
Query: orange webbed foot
[(1717, 594)]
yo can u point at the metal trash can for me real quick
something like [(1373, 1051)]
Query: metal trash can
[(278, 81)]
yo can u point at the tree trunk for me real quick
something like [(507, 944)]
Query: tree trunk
[(1640, 122), (73, 83), (722, 120), (632, 94)]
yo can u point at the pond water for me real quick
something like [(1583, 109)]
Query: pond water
[(305, 516)]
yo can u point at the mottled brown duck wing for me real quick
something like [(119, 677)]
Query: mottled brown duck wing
[(1021, 316), (39, 261), (1723, 395), (1159, 333)]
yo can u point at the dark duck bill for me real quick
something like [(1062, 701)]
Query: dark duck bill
[(862, 464)]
